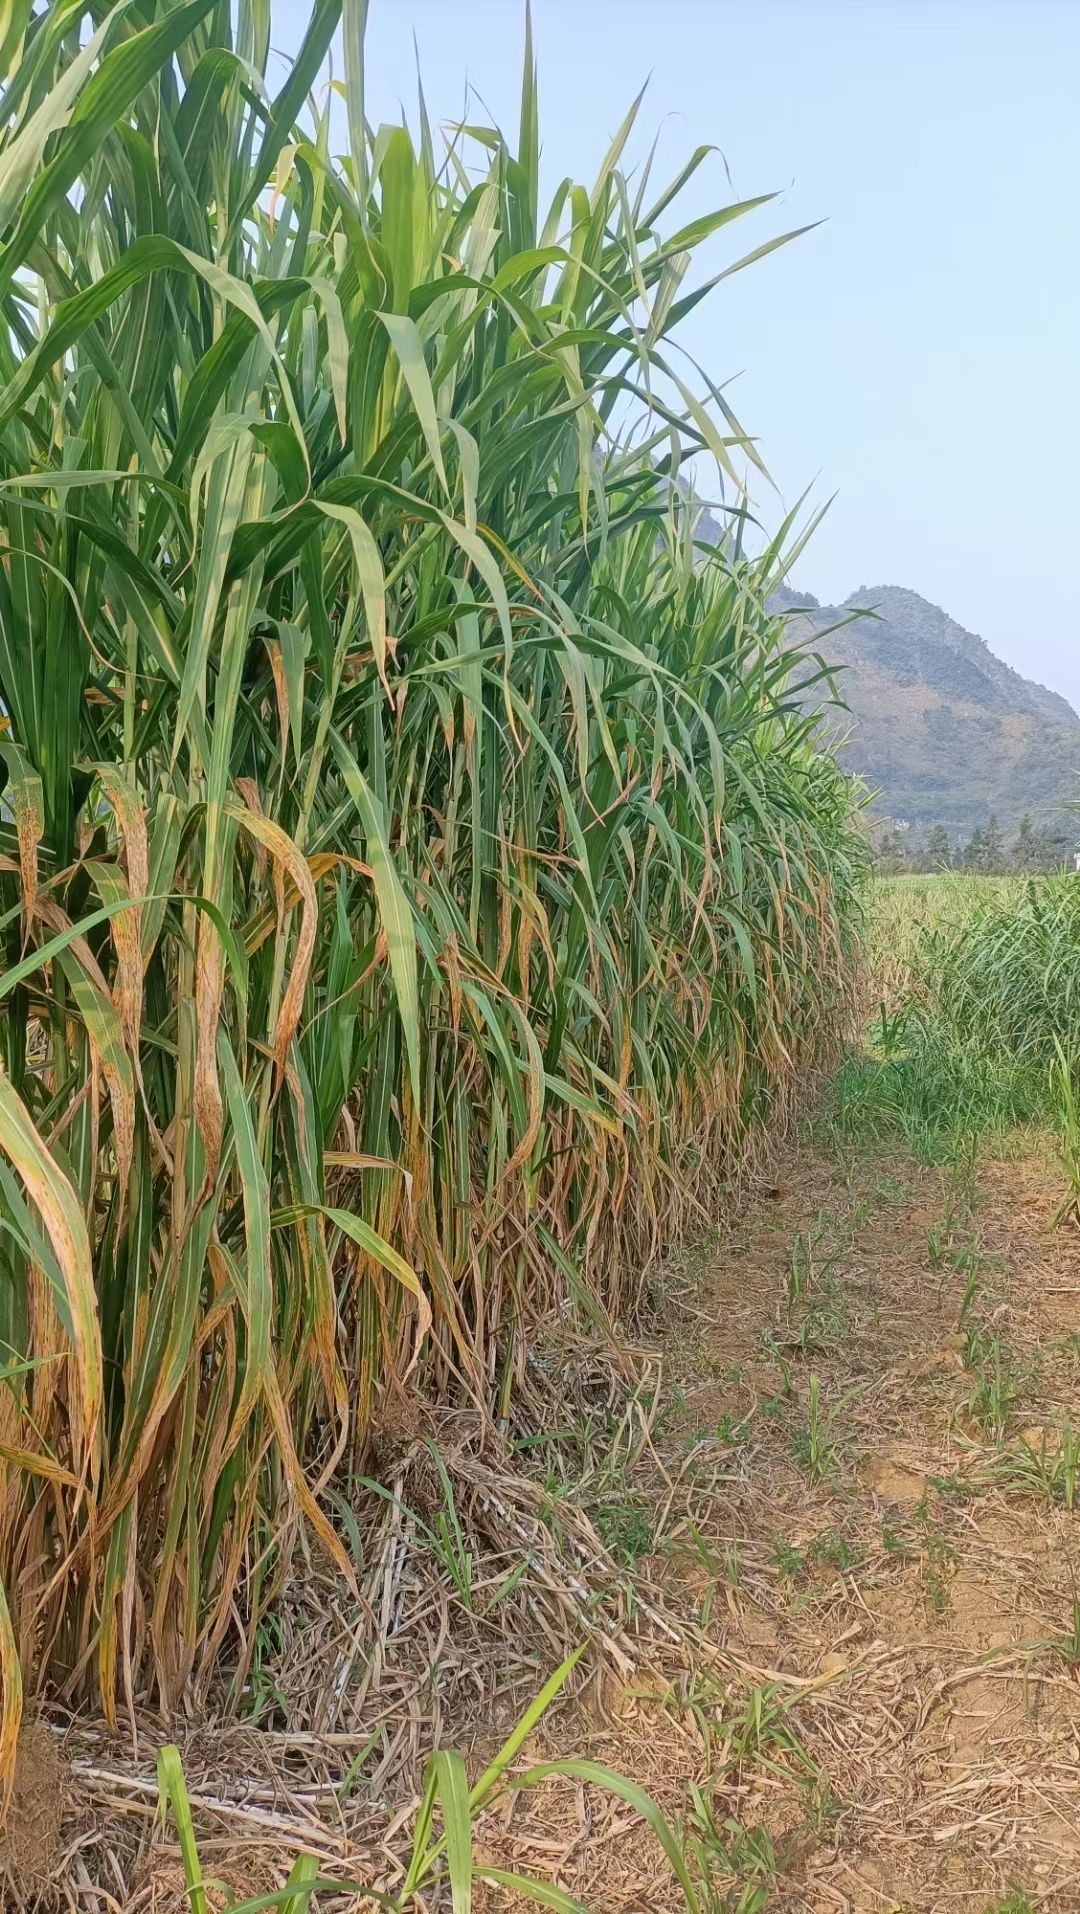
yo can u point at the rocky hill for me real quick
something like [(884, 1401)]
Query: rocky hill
[(941, 730)]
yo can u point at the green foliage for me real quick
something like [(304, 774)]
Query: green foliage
[(996, 1384), (625, 1528), (1006, 978), (737, 1866), (938, 1560), (418, 880), (832, 1550), (813, 1443), (1050, 1470), (980, 1015), (1064, 1094)]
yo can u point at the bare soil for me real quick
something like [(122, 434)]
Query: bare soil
[(909, 1606)]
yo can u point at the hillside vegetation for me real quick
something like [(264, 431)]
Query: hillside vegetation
[(942, 732), (420, 881)]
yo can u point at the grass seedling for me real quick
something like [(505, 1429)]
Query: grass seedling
[(813, 1446), (761, 1730), (772, 1348), (800, 1270), (804, 1269), (788, 1560), (939, 1561), (736, 1867), (448, 1538), (996, 1385), (971, 1289)]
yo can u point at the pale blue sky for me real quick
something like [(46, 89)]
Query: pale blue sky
[(917, 354)]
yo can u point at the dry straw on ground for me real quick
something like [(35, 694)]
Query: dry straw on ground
[(894, 1622)]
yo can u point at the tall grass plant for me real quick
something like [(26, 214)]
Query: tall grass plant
[(419, 882)]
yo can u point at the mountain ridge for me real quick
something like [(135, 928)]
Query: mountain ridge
[(942, 730), (919, 620)]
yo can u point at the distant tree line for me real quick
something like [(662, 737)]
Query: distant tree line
[(1034, 848)]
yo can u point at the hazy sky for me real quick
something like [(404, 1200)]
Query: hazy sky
[(917, 354)]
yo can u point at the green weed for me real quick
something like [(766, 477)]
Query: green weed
[(732, 1564), (972, 1042), (939, 1561), (971, 1289), (813, 1443), (735, 1867), (788, 1560), (1068, 1124), (624, 1527), (1050, 1471), (996, 1384), (773, 1349), (958, 1488), (833, 1550)]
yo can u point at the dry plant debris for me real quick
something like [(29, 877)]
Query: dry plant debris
[(829, 1600)]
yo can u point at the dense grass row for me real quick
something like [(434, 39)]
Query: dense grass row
[(418, 881), (978, 1008)]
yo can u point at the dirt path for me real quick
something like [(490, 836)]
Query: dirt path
[(860, 1491)]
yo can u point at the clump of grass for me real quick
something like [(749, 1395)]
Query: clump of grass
[(788, 1559), (420, 880), (996, 1382), (624, 1526), (735, 1867), (1050, 1471), (905, 910), (1068, 1129), (980, 1017), (831, 1551)]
